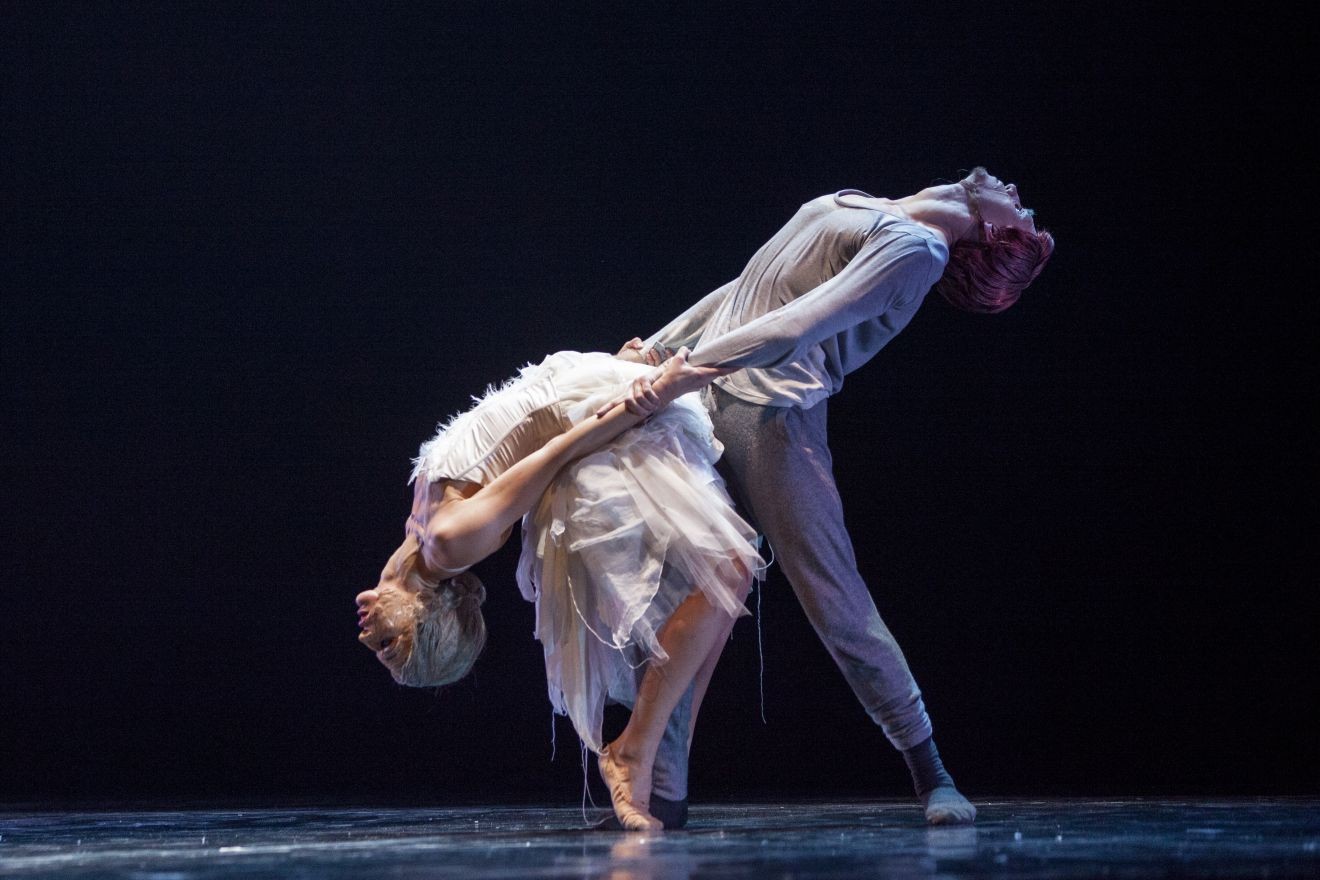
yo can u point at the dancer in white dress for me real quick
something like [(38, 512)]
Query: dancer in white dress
[(632, 552)]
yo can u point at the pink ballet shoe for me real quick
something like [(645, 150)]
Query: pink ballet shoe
[(632, 815)]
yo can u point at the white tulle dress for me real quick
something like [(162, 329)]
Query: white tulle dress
[(621, 536)]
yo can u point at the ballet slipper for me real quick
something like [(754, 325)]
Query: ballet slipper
[(618, 778), (672, 814)]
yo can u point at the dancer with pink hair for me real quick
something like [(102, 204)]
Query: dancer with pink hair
[(817, 301)]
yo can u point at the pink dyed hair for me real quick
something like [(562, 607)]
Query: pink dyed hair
[(987, 276)]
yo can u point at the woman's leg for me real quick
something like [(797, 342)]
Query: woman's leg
[(702, 680), (694, 637)]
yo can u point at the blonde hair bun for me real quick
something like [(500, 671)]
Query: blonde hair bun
[(461, 588), (448, 633)]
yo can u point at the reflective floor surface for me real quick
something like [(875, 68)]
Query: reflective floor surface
[(1012, 839)]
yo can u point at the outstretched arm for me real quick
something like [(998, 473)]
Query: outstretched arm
[(466, 530), (687, 328), (886, 279)]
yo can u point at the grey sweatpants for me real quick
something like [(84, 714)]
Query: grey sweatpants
[(779, 471)]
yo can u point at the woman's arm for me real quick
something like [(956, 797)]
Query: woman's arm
[(466, 530)]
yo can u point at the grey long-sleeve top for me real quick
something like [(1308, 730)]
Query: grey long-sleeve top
[(817, 301)]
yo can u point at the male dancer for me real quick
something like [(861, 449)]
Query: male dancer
[(816, 302)]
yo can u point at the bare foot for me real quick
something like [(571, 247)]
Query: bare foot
[(630, 789)]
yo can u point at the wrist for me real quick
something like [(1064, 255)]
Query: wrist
[(669, 388), (563, 448)]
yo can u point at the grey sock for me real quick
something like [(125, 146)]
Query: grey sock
[(928, 773)]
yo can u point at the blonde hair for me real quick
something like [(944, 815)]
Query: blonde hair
[(448, 633)]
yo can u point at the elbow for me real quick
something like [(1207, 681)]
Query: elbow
[(773, 350), (443, 548), (785, 349)]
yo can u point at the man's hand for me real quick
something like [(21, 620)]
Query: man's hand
[(635, 350), (658, 354), (662, 386), (679, 377), (632, 351)]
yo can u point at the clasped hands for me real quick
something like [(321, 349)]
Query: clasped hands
[(671, 377)]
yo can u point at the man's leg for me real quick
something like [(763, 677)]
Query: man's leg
[(777, 462)]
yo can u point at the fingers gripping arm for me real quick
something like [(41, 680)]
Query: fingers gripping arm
[(656, 390)]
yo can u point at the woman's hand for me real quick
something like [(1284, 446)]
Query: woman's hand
[(640, 398)]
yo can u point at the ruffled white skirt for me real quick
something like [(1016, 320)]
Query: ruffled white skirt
[(621, 537)]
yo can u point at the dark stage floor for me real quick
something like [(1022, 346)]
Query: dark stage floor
[(1014, 838)]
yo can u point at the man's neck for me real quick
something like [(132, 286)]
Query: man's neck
[(942, 209)]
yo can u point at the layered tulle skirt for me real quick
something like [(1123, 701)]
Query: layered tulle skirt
[(621, 537)]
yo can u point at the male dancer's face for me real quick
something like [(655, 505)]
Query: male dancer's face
[(1000, 203)]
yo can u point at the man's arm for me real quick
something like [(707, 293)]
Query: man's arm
[(881, 281), (686, 329)]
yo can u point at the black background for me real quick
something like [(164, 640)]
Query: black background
[(253, 254)]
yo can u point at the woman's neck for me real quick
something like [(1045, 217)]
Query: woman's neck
[(407, 569)]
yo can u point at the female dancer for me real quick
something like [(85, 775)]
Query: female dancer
[(633, 552)]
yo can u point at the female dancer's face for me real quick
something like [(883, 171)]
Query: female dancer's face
[(1000, 203), (386, 616)]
